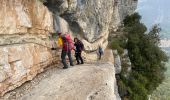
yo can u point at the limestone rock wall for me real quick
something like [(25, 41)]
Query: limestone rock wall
[(24, 44), (25, 26), (92, 20), (126, 7), (24, 16), (20, 63)]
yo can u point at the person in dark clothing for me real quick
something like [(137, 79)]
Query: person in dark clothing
[(78, 50), (66, 50), (100, 52)]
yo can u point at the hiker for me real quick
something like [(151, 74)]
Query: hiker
[(66, 50), (100, 52), (79, 46)]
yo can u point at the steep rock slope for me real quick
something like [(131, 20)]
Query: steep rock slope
[(92, 19), (25, 24)]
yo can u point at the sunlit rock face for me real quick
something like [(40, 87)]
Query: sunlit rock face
[(85, 82), (20, 63), (25, 26), (24, 44), (24, 16), (92, 19)]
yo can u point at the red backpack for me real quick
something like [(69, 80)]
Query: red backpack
[(68, 45)]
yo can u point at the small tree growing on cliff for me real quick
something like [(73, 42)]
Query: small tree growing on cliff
[(146, 57), (132, 19), (154, 34)]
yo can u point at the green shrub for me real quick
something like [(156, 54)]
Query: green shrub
[(139, 91), (146, 57), (122, 88), (117, 44)]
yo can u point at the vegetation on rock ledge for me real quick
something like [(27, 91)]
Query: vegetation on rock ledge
[(148, 60)]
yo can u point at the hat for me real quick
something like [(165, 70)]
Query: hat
[(59, 33)]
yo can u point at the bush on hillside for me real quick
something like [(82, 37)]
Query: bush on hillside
[(115, 45), (118, 43), (147, 58)]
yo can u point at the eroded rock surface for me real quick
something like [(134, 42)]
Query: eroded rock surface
[(24, 44), (20, 63), (25, 26), (92, 19), (85, 82), (24, 16)]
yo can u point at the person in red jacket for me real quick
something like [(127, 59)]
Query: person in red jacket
[(66, 50)]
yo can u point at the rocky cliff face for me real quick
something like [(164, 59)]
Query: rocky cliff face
[(25, 24), (92, 20)]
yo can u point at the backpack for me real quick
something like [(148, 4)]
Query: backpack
[(70, 41), (81, 45), (60, 42)]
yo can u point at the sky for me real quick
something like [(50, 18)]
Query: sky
[(156, 12)]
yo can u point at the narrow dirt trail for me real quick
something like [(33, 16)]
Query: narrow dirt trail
[(94, 81)]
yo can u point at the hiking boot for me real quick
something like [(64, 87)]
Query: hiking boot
[(65, 67), (82, 63), (71, 65)]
